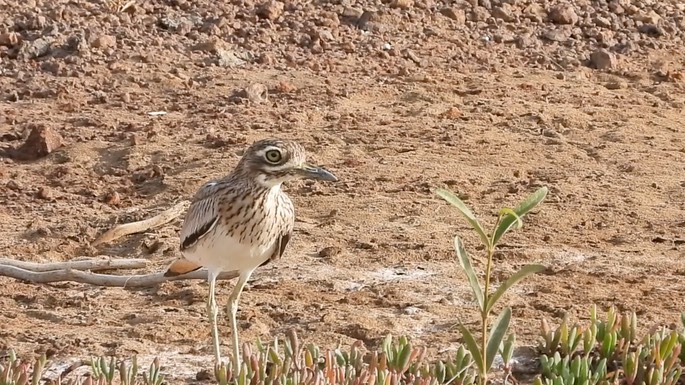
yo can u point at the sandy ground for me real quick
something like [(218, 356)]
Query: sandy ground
[(490, 99)]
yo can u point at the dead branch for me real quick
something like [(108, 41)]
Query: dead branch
[(144, 225), (99, 264), (71, 275)]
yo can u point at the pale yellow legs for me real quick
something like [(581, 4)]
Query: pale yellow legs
[(232, 309), (212, 310)]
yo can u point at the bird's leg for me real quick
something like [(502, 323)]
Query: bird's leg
[(212, 310), (232, 308)]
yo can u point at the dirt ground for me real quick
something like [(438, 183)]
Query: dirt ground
[(491, 99)]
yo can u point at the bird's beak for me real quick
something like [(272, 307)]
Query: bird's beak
[(313, 172)]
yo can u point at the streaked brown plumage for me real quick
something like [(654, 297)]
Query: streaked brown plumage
[(243, 221)]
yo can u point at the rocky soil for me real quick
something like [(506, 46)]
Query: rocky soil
[(114, 111)]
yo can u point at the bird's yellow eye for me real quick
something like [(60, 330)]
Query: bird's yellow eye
[(273, 156)]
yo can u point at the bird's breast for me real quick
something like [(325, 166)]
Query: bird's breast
[(246, 233)]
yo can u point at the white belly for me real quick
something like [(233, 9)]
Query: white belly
[(226, 253)]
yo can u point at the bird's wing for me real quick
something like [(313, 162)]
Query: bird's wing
[(282, 242), (200, 219)]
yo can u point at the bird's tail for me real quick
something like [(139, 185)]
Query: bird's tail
[(181, 266)]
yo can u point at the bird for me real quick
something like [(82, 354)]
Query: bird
[(243, 221)]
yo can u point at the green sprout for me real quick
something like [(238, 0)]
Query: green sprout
[(486, 349)]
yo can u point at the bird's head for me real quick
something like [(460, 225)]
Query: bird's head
[(271, 162)]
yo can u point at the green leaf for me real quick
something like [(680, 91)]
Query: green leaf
[(511, 281), (403, 359), (499, 328), (465, 263), (466, 212), (522, 209), (508, 349), (508, 211), (473, 347)]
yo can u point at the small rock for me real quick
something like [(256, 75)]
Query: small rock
[(411, 310), (266, 58), (285, 87), (452, 113), (651, 30), (256, 93), (45, 193), (229, 59), (152, 246), (676, 76), (456, 14), (325, 35), (13, 185), (349, 47), (112, 198), (402, 4), (76, 43), (479, 14), (503, 38), (649, 18), (616, 8), (563, 14), (53, 67), (41, 141), (504, 12), (204, 375), (352, 13), (557, 34), (524, 41), (615, 85), (603, 59), (104, 42), (35, 49), (535, 12), (270, 10), (602, 22), (363, 21), (213, 45), (36, 22), (10, 39), (168, 23), (411, 55), (328, 252)]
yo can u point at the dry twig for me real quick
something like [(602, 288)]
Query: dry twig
[(102, 263), (145, 280), (164, 217), (71, 270)]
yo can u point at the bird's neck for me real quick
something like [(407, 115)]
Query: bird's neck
[(273, 185)]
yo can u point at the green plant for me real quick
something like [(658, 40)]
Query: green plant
[(485, 351), (103, 371), (609, 352), (558, 370), (397, 362), (17, 372)]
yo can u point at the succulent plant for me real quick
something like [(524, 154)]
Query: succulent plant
[(610, 353)]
